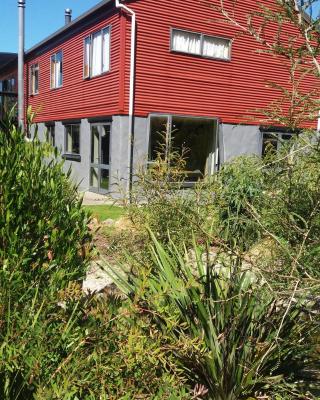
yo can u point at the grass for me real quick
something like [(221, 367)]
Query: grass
[(103, 212)]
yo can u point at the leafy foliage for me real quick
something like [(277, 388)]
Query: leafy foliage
[(56, 342), (234, 340)]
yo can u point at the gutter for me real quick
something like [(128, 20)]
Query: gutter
[(132, 87)]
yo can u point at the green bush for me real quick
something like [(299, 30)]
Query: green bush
[(55, 342), (43, 229), (233, 337), (161, 201), (239, 185), (43, 241)]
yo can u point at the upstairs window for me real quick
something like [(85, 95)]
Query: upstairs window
[(200, 44), (97, 53), (56, 70), (34, 79)]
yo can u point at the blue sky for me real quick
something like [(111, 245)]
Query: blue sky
[(43, 17)]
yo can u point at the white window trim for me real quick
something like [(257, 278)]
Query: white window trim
[(55, 83), (202, 36), (90, 76), (34, 67)]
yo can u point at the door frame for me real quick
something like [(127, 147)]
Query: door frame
[(100, 166), (214, 162)]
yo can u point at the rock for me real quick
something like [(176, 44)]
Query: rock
[(108, 222), (99, 281), (96, 280), (123, 223)]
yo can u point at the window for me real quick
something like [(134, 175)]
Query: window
[(100, 157), (8, 85), (194, 138), (97, 53), (56, 70), (51, 138), (200, 44), (272, 141), (34, 79), (72, 139)]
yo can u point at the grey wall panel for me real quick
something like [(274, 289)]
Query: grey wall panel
[(237, 140), (119, 155), (141, 143)]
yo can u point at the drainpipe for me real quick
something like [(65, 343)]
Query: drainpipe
[(21, 8), (132, 85)]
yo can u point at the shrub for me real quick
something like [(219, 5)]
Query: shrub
[(227, 330), (237, 186), (43, 229), (161, 201), (55, 342)]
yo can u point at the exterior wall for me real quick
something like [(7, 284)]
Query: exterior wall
[(78, 97), (79, 170), (237, 140), (176, 83), (119, 148), (234, 140), (166, 82)]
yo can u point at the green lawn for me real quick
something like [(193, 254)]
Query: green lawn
[(103, 212)]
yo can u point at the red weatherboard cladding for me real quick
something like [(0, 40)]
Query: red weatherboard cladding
[(185, 84), (78, 98), (166, 82)]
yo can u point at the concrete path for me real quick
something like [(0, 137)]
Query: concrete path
[(95, 199)]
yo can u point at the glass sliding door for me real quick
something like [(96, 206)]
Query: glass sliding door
[(100, 157), (195, 138)]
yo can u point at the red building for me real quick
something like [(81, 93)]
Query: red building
[(102, 98)]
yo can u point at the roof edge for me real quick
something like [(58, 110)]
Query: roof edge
[(68, 26)]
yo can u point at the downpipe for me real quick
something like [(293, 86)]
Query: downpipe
[(21, 8), (131, 93)]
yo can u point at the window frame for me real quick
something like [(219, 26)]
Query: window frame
[(34, 67), (55, 83), (71, 155), (214, 163), (278, 135), (90, 36), (100, 165), (50, 126), (202, 36)]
